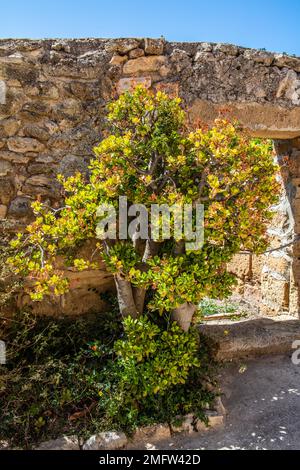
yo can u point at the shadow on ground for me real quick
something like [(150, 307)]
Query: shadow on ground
[(262, 399)]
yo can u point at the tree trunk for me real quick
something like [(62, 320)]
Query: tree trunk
[(125, 297), (139, 293), (183, 315)]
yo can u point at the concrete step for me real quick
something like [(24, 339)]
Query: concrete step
[(253, 337)]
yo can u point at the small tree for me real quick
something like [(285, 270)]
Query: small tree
[(150, 156)]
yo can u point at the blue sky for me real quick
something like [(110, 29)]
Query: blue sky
[(273, 25)]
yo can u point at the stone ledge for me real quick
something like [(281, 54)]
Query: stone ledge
[(256, 337), (112, 440)]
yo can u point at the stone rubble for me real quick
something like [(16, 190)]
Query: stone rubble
[(144, 436)]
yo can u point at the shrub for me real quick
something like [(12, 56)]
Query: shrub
[(149, 155), (81, 377)]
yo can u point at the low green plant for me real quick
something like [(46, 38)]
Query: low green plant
[(9, 283), (212, 307), (89, 375), (153, 374), (47, 386)]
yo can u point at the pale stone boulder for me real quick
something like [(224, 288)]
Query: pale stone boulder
[(106, 441)]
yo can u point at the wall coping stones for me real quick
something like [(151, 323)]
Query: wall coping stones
[(260, 88)]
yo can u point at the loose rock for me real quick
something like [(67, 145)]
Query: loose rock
[(106, 441)]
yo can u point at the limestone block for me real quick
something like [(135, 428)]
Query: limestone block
[(118, 59), (10, 126), (289, 87), (70, 164), (35, 131), (122, 46), (68, 108), (3, 211), (62, 443), (164, 71), (181, 59), (5, 168), (240, 265), (19, 207), (283, 60), (215, 419), (2, 92), (187, 425), (14, 157), (61, 46), (261, 57), (252, 293), (126, 84), (41, 185), (275, 293), (135, 53), (257, 262), (170, 88), (24, 144), (154, 46), (6, 190), (229, 49), (152, 433), (106, 441), (277, 264), (144, 64), (86, 91)]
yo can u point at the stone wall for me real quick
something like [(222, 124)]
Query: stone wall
[(52, 104)]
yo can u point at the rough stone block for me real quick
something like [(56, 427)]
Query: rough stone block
[(122, 46), (13, 157), (118, 59), (215, 419), (2, 92), (154, 46), (62, 443), (10, 126), (240, 265), (187, 425), (6, 190), (256, 267), (5, 168), (135, 53), (24, 144), (144, 65), (127, 84), (106, 441), (170, 88), (35, 131), (3, 211), (153, 433), (19, 207)]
